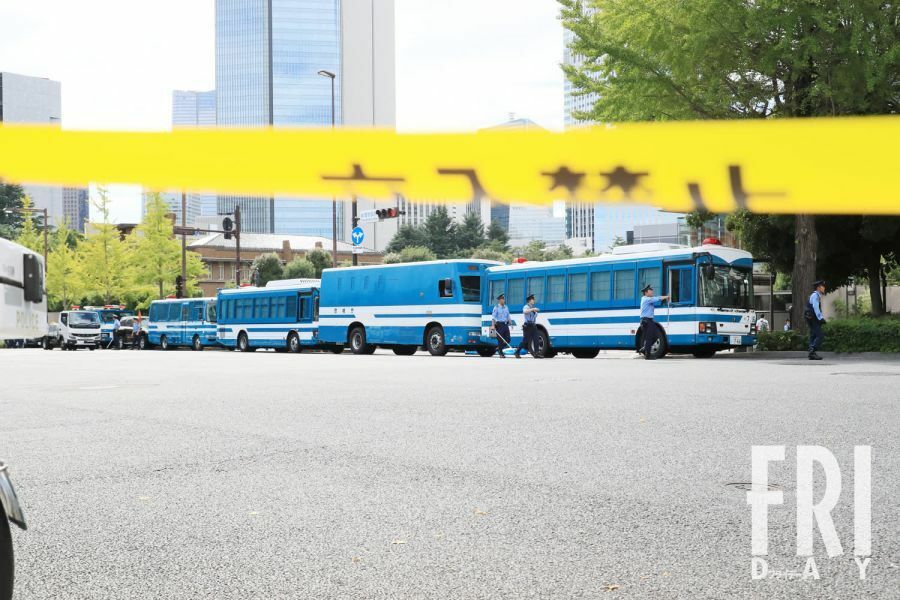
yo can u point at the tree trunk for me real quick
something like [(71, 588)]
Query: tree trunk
[(874, 270), (804, 274)]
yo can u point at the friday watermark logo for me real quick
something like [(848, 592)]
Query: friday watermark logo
[(761, 496)]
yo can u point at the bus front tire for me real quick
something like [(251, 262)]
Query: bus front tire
[(358, 343), (586, 352), (436, 342), (163, 343), (196, 344), (659, 349), (703, 353), (293, 343), (405, 350), (486, 352)]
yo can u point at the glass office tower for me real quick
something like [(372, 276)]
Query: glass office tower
[(268, 54)]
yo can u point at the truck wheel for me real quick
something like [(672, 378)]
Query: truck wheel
[(358, 343), (196, 344), (7, 569), (164, 343), (293, 343), (436, 343), (45, 344)]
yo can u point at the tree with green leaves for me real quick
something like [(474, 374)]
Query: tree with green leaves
[(410, 254), (268, 268), (155, 254), (105, 263), (440, 233), (303, 268), (11, 197), (470, 233), (650, 60), (407, 235), (29, 235), (497, 237), (321, 260), (64, 279)]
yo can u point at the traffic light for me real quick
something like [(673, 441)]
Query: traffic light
[(388, 213), (227, 227), (179, 286)]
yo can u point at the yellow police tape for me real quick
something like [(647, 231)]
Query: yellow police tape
[(838, 165)]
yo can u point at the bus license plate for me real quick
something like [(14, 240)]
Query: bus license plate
[(735, 340)]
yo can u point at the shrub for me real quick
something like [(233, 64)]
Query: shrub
[(299, 268), (857, 334)]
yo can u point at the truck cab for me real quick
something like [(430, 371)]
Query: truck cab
[(77, 329)]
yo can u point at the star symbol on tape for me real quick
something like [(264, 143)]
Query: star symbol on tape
[(563, 177), (623, 179)]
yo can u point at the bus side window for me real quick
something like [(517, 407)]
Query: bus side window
[(445, 288)]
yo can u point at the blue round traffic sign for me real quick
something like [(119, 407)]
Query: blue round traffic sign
[(357, 235)]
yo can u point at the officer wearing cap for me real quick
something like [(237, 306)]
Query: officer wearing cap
[(529, 328), (648, 325), (815, 320), (500, 324)]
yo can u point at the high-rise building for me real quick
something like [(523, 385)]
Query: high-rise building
[(193, 109), (614, 221), (76, 207), (268, 55), (525, 223), (34, 101)]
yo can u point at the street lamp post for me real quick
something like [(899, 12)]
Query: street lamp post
[(331, 76)]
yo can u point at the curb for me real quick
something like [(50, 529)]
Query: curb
[(801, 354)]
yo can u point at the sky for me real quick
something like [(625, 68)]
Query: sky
[(461, 65)]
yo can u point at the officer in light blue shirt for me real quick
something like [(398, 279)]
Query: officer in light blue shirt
[(529, 328), (500, 324), (815, 319), (649, 327)]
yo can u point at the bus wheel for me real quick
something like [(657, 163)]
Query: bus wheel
[(437, 345), (336, 349), (358, 341), (293, 343), (703, 353), (405, 350), (243, 344), (143, 344), (586, 352), (164, 343), (542, 343), (486, 352), (660, 346), (196, 344)]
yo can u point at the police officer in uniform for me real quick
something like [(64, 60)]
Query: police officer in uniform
[(649, 326), (500, 324), (117, 324), (529, 328), (815, 320)]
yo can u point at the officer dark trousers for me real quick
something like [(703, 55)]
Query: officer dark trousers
[(815, 334), (651, 333), (502, 336), (527, 342)]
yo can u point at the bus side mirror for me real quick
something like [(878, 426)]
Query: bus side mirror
[(32, 278)]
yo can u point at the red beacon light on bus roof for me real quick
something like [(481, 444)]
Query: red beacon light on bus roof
[(75, 307), (170, 297), (521, 260), (711, 241), (246, 284)]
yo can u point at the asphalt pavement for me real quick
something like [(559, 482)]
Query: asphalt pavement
[(222, 475)]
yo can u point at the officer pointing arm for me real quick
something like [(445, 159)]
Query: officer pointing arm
[(648, 325)]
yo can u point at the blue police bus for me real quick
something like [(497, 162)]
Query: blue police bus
[(589, 304), (435, 304), (108, 314), (283, 315), (181, 322)]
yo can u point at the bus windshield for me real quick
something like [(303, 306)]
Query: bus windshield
[(725, 287), (471, 288)]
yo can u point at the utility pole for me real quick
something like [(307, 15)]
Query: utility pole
[(331, 76), (354, 220), (237, 245), (183, 237), (46, 245)]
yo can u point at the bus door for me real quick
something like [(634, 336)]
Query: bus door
[(307, 305), (680, 284), (183, 323)]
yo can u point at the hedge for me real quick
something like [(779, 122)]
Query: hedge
[(859, 334)]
